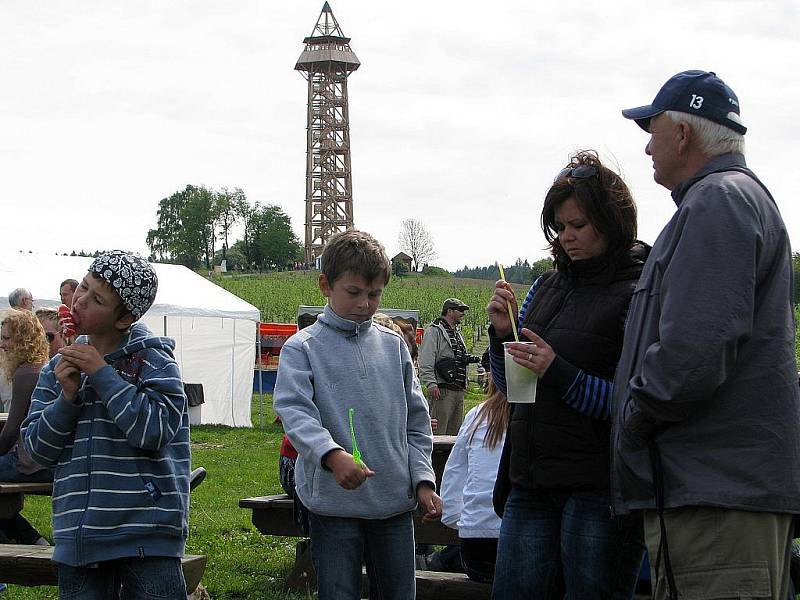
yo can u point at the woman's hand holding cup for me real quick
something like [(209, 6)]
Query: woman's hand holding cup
[(537, 358)]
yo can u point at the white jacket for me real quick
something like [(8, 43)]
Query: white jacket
[(468, 482)]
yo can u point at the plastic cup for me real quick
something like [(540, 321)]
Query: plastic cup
[(520, 381)]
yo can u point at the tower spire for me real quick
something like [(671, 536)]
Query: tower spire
[(326, 63)]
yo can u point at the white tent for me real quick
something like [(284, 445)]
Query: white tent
[(214, 331)]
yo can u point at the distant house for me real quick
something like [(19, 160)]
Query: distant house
[(404, 259)]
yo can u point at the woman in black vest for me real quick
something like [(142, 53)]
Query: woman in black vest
[(558, 535)]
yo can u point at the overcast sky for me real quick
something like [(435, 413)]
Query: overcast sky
[(461, 112)]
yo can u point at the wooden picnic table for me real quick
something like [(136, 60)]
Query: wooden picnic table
[(442, 445), (12, 495)]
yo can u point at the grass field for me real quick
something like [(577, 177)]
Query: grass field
[(277, 295), (242, 563)]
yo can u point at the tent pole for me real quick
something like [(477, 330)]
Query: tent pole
[(260, 380)]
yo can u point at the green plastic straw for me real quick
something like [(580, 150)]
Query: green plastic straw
[(510, 310), (356, 451)]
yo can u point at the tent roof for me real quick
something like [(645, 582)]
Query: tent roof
[(181, 291)]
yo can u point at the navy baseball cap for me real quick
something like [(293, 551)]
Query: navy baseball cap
[(699, 93)]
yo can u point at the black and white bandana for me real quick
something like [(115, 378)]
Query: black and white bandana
[(131, 277)]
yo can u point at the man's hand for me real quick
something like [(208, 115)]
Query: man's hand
[(84, 357), (497, 309), (69, 377), (430, 503), (434, 392), (347, 473)]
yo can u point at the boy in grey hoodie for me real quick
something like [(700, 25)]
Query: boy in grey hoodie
[(352, 406)]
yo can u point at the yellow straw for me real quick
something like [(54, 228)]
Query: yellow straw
[(508, 304)]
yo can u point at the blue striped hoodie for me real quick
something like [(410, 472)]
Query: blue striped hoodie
[(121, 456)]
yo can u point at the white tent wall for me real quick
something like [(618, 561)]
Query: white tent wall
[(227, 345), (214, 331)]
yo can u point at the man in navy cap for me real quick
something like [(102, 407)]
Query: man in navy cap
[(706, 401)]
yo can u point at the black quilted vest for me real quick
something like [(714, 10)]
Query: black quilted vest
[(580, 312)]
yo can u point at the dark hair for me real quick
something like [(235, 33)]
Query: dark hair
[(604, 199), (357, 252), (72, 283)]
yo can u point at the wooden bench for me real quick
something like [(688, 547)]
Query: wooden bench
[(31, 565), (273, 515), (12, 495)]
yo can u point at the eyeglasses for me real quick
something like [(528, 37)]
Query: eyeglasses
[(50, 336), (579, 172)]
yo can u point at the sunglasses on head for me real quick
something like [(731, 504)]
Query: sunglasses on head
[(579, 172)]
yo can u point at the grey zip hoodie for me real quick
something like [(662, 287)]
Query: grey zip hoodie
[(336, 364)]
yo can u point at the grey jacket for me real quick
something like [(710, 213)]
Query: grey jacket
[(336, 364), (708, 362), (435, 346)]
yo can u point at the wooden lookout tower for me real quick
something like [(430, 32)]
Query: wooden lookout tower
[(326, 62)]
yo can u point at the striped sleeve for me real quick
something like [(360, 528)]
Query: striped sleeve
[(150, 412), (591, 395), (588, 394), (50, 424)]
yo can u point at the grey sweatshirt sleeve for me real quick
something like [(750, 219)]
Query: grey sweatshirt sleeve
[(418, 426), (293, 401), (706, 296)]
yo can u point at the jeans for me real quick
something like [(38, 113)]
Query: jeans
[(338, 546), (9, 471), (123, 579), (557, 544)]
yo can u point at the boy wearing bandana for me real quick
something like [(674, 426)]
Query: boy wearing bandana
[(109, 414)]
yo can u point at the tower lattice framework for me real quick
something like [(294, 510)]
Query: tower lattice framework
[(326, 63)]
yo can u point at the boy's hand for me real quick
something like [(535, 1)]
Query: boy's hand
[(430, 503), (84, 357), (348, 474), (69, 377)]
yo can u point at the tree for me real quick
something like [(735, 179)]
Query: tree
[(185, 231), (270, 242), (415, 241), (230, 208)]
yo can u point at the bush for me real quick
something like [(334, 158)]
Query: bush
[(435, 272)]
